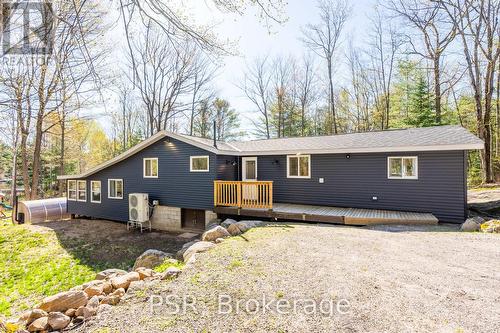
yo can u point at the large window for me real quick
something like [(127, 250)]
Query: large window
[(72, 190), (150, 168), (82, 190), (405, 167), (95, 191), (199, 164), (115, 188), (299, 166)]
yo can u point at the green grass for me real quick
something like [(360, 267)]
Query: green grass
[(166, 265), (35, 265)]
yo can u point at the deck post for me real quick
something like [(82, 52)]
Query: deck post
[(271, 196), (238, 194)]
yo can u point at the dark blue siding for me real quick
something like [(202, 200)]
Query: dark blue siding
[(225, 169), (175, 186), (353, 182)]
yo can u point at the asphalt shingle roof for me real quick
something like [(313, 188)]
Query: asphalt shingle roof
[(382, 140)]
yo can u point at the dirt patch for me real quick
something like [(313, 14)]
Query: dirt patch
[(485, 203), (405, 280), (105, 244)]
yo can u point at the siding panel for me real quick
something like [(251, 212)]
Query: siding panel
[(353, 182), (175, 186)]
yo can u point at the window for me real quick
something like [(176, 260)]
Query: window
[(199, 164), (95, 191), (115, 188), (405, 167), (72, 190), (299, 166), (150, 168), (82, 190)]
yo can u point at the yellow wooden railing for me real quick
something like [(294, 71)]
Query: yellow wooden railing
[(247, 194)]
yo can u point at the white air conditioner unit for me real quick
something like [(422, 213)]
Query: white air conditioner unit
[(138, 207)]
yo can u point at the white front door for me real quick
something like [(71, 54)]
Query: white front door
[(249, 174), (249, 168)]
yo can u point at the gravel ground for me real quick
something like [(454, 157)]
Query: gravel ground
[(395, 279)]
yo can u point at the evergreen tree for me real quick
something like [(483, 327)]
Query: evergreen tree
[(421, 110)]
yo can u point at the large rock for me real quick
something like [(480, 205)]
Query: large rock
[(171, 273), (41, 324), (492, 226), (238, 228), (214, 233), (144, 272), (252, 224), (196, 248), (34, 315), (94, 290), (227, 223), (470, 225), (151, 259), (108, 272), (123, 281), (64, 301), (58, 320), (180, 254)]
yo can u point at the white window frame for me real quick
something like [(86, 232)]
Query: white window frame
[(109, 188), (144, 167), (403, 176), (92, 191), (78, 190), (75, 190), (202, 156), (298, 166)]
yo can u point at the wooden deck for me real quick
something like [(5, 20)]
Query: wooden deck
[(350, 216)]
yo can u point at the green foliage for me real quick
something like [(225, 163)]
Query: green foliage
[(166, 265), (421, 110)]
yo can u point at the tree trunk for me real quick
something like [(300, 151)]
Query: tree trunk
[(437, 88), (331, 98), (62, 190)]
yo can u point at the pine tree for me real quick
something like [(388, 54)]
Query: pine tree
[(421, 110)]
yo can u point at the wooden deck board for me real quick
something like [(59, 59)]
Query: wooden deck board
[(351, 216)]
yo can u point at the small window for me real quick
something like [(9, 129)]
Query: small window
[(299, 166), (402, 167), (115, 188), (150, 168), (199, 164), (95, 191), (72, 190), (82, 190)]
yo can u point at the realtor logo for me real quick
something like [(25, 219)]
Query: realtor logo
[(27, 28)]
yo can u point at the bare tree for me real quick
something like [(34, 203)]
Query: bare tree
[(436, 32), (323, 39), (204, 74), (307, 91), (385, 45), (478, 24), (162, 74), (256, 87)]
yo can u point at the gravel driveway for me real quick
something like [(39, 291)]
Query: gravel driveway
[(400, 279)]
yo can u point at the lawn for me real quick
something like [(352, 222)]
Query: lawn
[(34, 264), (44, 259)]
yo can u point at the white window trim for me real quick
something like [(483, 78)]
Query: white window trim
[(298, 166), (202, 156), (144, 166), (76, 190), (403, 177), (92, 192), (109, 188)]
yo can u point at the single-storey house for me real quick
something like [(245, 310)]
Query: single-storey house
[(324, 178)]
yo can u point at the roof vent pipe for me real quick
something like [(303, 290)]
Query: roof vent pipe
[(215, 134)]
